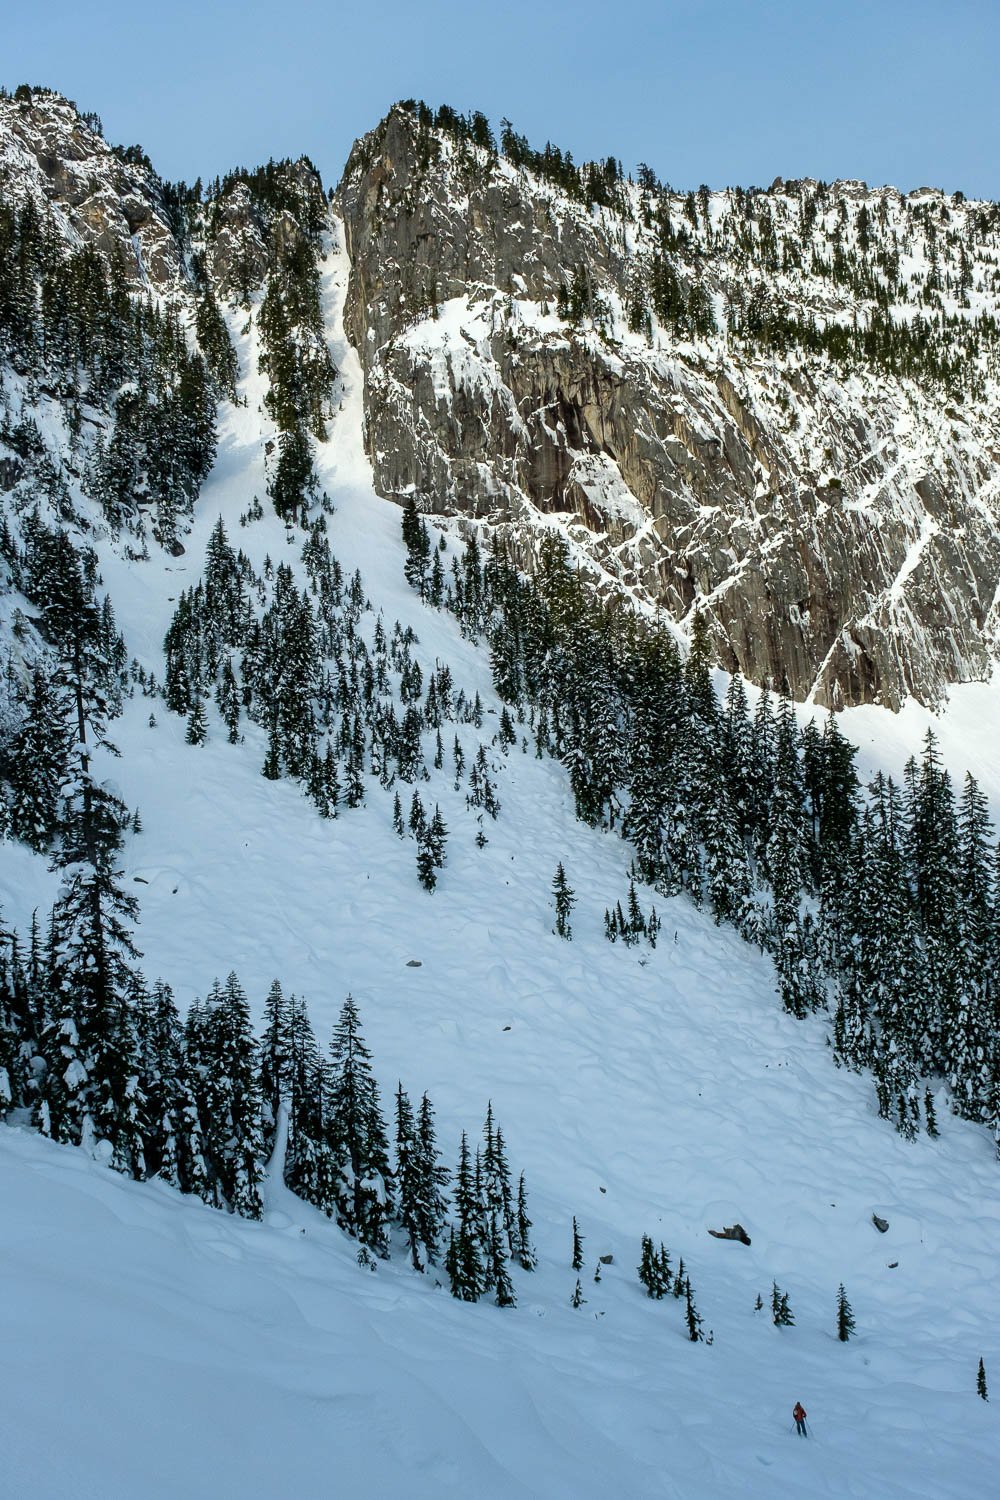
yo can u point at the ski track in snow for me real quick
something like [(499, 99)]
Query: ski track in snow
[(159, 1348)]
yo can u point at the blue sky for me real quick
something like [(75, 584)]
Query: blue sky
[(716, 91)]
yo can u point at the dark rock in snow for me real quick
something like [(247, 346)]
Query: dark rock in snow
[(731, 1232)]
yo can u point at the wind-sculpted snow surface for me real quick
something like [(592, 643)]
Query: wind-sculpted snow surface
[(157, 1347), (780, 407)]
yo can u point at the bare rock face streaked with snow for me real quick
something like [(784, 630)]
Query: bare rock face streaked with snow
[(840, 528), (92, 194)]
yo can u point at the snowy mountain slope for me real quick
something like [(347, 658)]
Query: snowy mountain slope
[(669, 1078)]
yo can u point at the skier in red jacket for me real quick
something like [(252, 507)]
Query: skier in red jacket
[(799, 1413)]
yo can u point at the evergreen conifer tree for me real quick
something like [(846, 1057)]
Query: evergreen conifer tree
[(636, 921), (431, 1202), (785, 850), (930, 1115), (271, 768), (90, 966), (577, 1261), (230, 1104), (691, 1315), (426, 865), (496, 1186), (38, 762), (228, 700), (275, 1053), (418, 818), (197, 724), (358, 1137), (464, 1263), (174, 1145), (408, 1175), (565, 900), (310, 1163), (934, 861), (496, 1273), (522, 1248), (654, 1269), (680, 1278), (781, 1313), (416, 540)]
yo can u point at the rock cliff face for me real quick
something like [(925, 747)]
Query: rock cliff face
[(836, 517), (93, 194), (111, 199)]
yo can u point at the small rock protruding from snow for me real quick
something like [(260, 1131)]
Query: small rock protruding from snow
[(731, 1232)]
